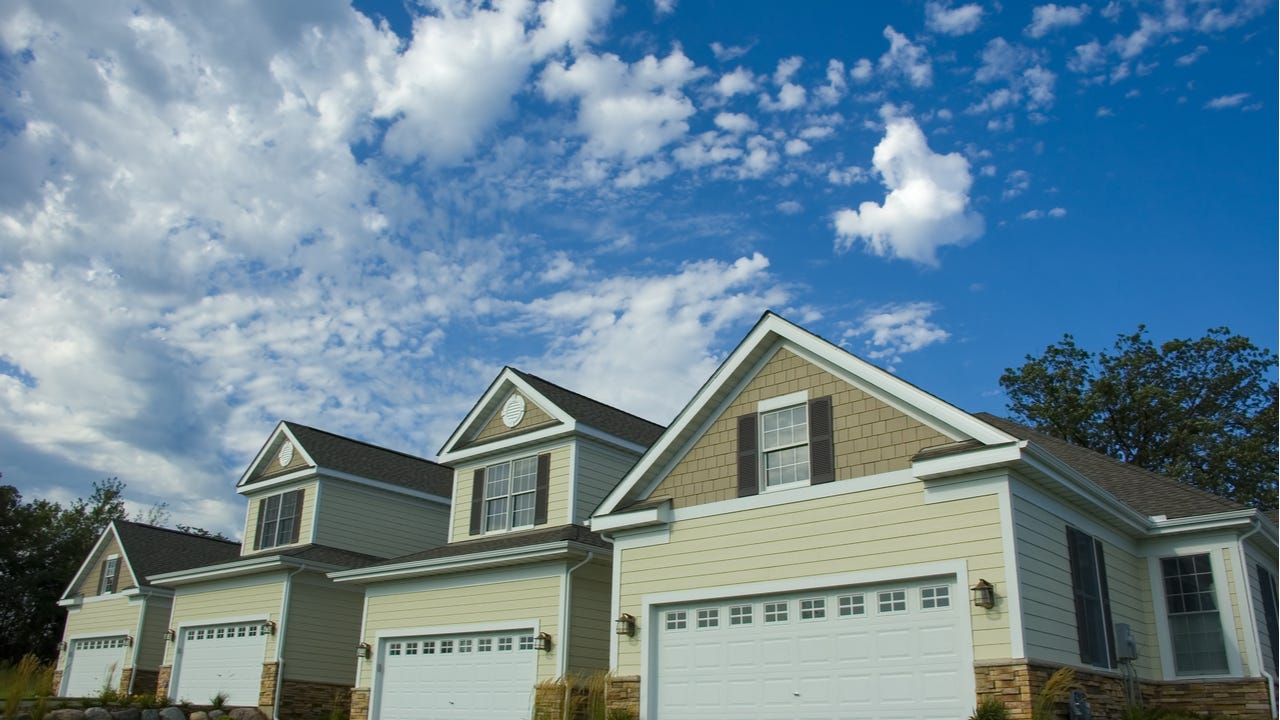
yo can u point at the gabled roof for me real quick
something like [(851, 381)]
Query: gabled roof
[(768, 334), (575, 533), (328, 451), (316, 557), (1147, 492), (150, 550), (571, 411)]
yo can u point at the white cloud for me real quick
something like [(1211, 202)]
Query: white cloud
[(790, 95), (862, 70), (737, 82), (735, 122), (790, 207), (892, 331), (559, 268), (846, 176), (1016, 183), (760, 158), (1047, 18), (1087, 58), (628, 111), (1227, 101), (941, 18), (927, 206), (906, 59), (708, 148), (726, 53), (831, 93), (1057, 212), (1104, 112), (1191, 57), (796, 146), (664, 7), (1032, 215)]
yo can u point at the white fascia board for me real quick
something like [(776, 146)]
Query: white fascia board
[(281, 428), (302, 475), (470, 561), (110, 529), (238, 567), (983, 458), (660, 515), (1200, 523), (484, 407), (547, 434), (308, 474), (1053, 468)]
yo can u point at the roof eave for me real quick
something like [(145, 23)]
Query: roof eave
[(471, 561), (237, 568)]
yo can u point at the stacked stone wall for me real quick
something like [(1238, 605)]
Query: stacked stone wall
[(162, 680), (145, 682), (359, 704), (267, 688), (313, 701)]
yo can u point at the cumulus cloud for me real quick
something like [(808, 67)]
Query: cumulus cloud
[(831, 93), (726, 53), (891, 331), (737, 82), (862, 70), (1227, 101), (1048, 18), (906, 59), (735, 122), (927, 206), (942, 18), (790, 95), (1191, 57)]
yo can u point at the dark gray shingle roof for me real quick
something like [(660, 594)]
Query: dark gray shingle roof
[(574, 533), (354, 457), (1147, 492), (153, 550), (594, 413)]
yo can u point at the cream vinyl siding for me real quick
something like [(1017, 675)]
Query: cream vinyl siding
[(875, 529), (1048, 602), (590, 623), (88, 586), (107, 617), (600, 468), (249, 598), (323, 630), (498, 602), (308, 511), (377, 522), (557, 493), (154, 625)]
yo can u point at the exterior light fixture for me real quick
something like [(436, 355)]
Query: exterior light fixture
[(984, 594), (62, 646), (170, 635), (364, 650), (625, 625), (268, 627), (128, 640), (542, 642)]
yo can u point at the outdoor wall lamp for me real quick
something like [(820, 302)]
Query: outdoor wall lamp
[(364, 650), (268, 627), (625, 625), (170, 635), (128, 640), (62, 646), (542, 642), (984, 594)]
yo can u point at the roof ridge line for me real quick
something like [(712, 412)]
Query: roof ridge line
[(290, 423), (601, 403)]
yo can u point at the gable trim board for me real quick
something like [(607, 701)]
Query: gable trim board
[(239, 568), (281, 428), (320, 473), (90, 562), (471, 561)]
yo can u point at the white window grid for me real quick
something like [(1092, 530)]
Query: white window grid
[(709, 617), (813, 608), (677, 619), (446, 647), (504, 644), (741, 614), (465, 645), (891, 601), (509, 493), (99, 644), (784, 445), (484, 645), (935, 597), (854, 605), (280, 513), (775, 612), (411, 648), (395, 648), (526, 642), (428, 647)]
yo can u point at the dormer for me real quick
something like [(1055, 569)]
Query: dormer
[(311, 487), (532, 454)]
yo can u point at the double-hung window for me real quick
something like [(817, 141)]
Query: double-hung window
[(1093, 606), (784, 445), (1194, 623), (279, 520), (109, 576), (509, 494)]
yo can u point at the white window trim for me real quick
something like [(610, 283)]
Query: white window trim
[(1226, 612), (297, 519), (115, 578), (510, 513), (782, 401), (798, 399)]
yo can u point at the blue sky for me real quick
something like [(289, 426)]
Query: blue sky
[(352, 216)]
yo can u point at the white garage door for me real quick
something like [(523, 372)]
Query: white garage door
[(886, 652), (224, 659), (94, 664), (484, 676)]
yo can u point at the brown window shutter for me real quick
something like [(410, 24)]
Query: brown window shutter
[(102, 577), (1106, 602), (822, 452), (543, 488), (297, 516), (262, 516), (477, 502), (748, 456)]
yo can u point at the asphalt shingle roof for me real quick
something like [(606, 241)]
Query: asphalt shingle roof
[(1147, 492), (594, 413), (574, 533), (154, 550), (354, 457)]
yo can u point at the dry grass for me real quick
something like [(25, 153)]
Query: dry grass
[(29, 678), (1058, 683), (573, 697)]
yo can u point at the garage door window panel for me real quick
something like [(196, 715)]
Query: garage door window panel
[(813, 609), (852, 605), (892, 601), (934, 598)]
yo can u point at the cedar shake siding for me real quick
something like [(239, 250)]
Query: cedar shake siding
[(534, 418), (869, 437)]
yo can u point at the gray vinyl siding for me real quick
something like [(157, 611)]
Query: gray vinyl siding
[(1255, 596), (376, 522), (323, 631), (591, 624), (1048, 606), (600, 468), (154, 625)]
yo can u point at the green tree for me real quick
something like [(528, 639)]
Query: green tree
[(1202, 410), (43, 546)]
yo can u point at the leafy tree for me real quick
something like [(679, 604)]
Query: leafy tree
[(1202, 410), (201, 532), (43, 546)]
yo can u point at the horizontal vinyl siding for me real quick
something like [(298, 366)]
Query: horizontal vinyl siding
[(323, 631), (870, 530), (376, 522), (88, 586), (1265, 646), (154, 625), (308, 512), (247, 599), (1048, 604), (557, 497), (590, 624), (600, 468), (534, 598), (107, 617)]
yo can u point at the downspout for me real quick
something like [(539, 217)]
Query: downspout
[(280, 635), (137, 642), (1253, 620), (564, 613)]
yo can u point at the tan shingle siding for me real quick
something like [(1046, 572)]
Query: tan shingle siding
[(534, 417)]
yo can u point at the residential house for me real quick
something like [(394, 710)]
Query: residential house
[(114, 637), (813, 537), (269, 628), (520, 594)]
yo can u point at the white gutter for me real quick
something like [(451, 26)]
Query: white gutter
[(455, 563), (564, 614), (237, 567), (280, 636)]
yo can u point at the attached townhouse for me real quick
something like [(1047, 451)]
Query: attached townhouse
[(269, 628), (116, 618), (813, 537), (520, 594)]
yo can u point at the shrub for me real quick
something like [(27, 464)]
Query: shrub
[(218, 700), (990, 709), (1057, 684)]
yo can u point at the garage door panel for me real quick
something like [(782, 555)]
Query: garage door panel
[(94, 664), (487, 676), (221, 659)]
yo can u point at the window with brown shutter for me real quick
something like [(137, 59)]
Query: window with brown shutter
[(792, 445), (511, 494), (748, 460), (279, 520)]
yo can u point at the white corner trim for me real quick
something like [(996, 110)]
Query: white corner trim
[(978, 459), (574, 469), (659, 515), (782, 401)]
